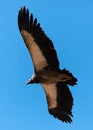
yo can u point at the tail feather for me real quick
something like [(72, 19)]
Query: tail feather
[(72, 81)]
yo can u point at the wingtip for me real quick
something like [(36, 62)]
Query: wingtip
[(64, 117), (23, 18), (22, 8)]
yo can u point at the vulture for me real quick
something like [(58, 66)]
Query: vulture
[(54, 81)]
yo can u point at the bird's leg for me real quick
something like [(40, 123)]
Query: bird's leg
[(33, 80)]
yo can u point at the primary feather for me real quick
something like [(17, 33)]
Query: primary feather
[(36, 41)]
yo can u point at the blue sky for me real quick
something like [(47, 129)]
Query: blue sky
[(69, 24)]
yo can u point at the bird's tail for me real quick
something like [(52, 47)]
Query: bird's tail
[(68, 78)]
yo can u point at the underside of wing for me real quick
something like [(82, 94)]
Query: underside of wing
[(60, 101), (39, 45)]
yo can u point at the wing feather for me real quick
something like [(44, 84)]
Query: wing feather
[(32, 33), (60, 101)]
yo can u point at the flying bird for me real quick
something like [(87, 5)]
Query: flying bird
[(54, 81)]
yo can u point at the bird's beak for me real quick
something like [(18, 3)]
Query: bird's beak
[(28, 82)]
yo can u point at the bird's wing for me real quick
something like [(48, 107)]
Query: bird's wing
[(39, 45), (60, 101)]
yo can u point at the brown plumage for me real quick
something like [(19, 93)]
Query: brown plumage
[(46, 67)]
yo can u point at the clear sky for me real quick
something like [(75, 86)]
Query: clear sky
[(69, 23)]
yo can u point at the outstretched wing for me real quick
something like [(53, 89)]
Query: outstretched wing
[(60, 101), (39, 45)]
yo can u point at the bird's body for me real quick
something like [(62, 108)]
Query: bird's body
[(46, 67)]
